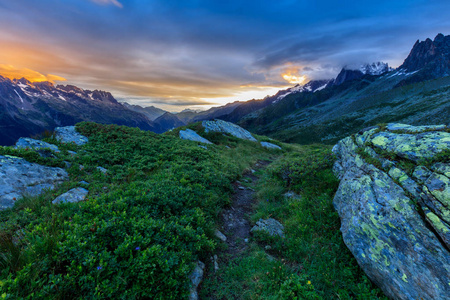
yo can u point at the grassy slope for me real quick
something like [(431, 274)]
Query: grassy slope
[(140, 230), (312, 261), (357, 106), (147, 221)]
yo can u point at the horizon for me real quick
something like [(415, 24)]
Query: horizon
[(175, 55)]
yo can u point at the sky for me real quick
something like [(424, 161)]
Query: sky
[(202, 53)]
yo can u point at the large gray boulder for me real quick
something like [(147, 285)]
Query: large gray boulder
[(228, 128), (270, 146), (69, 134), (191, 135), (19, 177), (395, 221)]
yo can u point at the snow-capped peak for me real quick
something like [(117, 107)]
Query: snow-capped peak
[(377, 68)]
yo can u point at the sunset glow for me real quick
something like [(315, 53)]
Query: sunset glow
[(181, 54), (11, 72)]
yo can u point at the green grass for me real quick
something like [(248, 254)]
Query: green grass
[(312, 261), (140, 230)]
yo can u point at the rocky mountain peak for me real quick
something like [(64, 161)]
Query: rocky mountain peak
[(431, 54), (353, 72), (22, 80)]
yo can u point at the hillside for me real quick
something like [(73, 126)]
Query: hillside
[(152, 208)]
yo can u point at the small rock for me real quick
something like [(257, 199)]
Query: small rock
[(292, 195), (72, 153), (204, 147), (72, 196), (270, 146), (268, 247), (270, 226), (191, 135), (83, 182), (216, 264), (241, 187), (103, 170), (24, 143), (69, 134), (253, 171), (196, 277), (220, 236), (246, 240)]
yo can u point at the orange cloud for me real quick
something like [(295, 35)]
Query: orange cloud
[(12, 72), (292, 75), (107, 2)]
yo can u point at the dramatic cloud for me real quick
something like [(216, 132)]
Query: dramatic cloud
[(13, 73), (182, 53)]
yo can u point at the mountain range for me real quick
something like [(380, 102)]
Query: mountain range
[(29, 108), (416, 92)]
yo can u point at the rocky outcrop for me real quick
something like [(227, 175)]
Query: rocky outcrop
[(19, 177), (394, 205), (227, 128), (191, 135), (69, 134)]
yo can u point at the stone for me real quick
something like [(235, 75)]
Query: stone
[(103, 170), (386, 218), (269, 226), (196, 278), (19, 177), (413, 129), (69, 134), (203, 147), (36, 145), (228, 128), (270, 146), (72, 196), (220, 236), (191, 135), (415, 147)]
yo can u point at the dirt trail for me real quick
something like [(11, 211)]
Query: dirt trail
[(235, 219)]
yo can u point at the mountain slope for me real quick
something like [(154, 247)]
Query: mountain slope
[(30, 108)]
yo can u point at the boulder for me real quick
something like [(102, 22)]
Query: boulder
[(19, 177), (69, 134), (72, 196), (269, 226), (270, 146), (228, 128), (36, 145), (395, 221), (191, 135)]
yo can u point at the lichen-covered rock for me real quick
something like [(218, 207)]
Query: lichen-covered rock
[(270, 146), (69, 134), (191, 135), (413, 129), (19, 177), (29, 143), (270, 226), (395, 221), (415, 147), (72, 196), (229, 128)]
